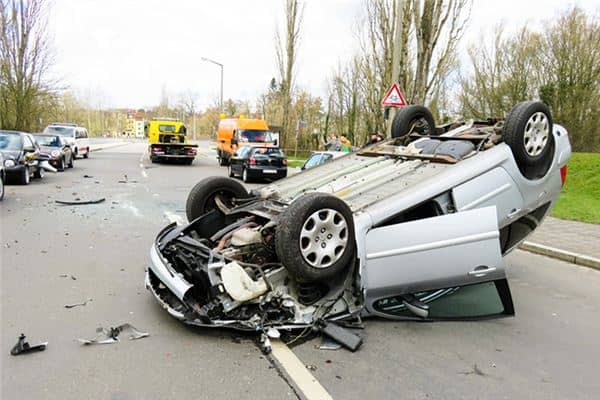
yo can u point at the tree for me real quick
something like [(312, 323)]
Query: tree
[(560, 65), (26, 92), (286, 49)]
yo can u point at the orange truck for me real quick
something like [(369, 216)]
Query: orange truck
[(236, 132)]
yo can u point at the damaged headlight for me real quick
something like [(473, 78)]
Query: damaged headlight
[(9, 163), (55, 153)]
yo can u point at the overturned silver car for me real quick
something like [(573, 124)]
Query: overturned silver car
[(414, 227)]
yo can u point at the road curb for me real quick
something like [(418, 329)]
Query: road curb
[(568, 256)]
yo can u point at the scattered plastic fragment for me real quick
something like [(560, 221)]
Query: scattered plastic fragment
[(328, 343), (88, 176), (111, 335), (78, 304), (81, 202), (23, 347)]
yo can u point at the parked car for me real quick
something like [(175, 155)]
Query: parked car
[(2, 177), (415, 228), (22, 157), (317, 158), (258, 162), (76, 136), (58, 148)]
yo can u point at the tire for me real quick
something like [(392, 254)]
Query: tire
[(61, 165), (87, 153), (71, 163), (1, 188), (39, 173), (528, 132), (298, 228), (202, 196), (25, 177), (409, 119), (245, 176), (230, 172), (188, 162)]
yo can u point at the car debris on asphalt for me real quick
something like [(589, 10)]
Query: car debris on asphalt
[(23, 347), (78, 304), (80, 202), (111, 335)]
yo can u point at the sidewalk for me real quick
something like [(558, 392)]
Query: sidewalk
[(573, 240)]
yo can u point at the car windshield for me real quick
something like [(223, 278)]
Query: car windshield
[(166, 128), (255, 136), (9, 141), (268, 151), (68, 131), (53, 141)]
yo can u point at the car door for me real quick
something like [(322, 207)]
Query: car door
[(30, 151), (410, 260), (237, 161)]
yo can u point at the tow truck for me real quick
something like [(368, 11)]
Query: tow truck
[(167, 141)]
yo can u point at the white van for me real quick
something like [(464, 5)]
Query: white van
[(77, 137)]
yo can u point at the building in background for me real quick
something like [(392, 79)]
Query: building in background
[(134, 124)]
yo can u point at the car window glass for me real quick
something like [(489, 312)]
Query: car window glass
[(54, 141), (326, 157), (267, 151), (473, 301), (9, 141), (84, 134), (68, 131), (27, 143), (313, 161)]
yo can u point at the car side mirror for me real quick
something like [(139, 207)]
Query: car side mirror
[(234, 141), (235, 154)]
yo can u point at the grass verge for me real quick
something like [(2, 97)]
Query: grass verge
[(580, 197)]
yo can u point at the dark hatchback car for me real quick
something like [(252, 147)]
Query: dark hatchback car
[(59, 150), (21, 156), (254, 162)]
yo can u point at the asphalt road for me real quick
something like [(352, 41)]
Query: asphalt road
[(548, 351)]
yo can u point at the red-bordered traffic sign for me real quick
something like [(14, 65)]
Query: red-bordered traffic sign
[(393, 97)]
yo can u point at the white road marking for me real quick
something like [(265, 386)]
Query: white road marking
[(172, 217), (144, 173), (297, 372)]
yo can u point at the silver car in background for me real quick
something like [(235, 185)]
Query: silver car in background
[(414, 227)]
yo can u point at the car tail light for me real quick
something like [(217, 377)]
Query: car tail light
[(191, 150), (285, 161), (252, 161), (157, 149), (563, 175)]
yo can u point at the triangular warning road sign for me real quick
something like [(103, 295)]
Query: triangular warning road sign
[(393, 97)]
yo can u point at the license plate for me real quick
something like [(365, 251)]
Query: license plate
[(269, 171)]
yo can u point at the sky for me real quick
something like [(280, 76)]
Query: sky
[(124, 53)]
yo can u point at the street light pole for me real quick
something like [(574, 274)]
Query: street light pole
[(221, 66)]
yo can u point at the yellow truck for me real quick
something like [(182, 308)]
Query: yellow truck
[(167, 141), (236, 132)]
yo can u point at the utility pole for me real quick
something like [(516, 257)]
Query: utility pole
[(396, 58), (220, 66)]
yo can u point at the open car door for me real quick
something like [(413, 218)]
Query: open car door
[(453, 260)]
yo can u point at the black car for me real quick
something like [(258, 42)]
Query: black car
[(59, 150), (22, 156), (2, 176), (254, 162)]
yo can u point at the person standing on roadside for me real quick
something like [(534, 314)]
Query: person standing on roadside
[(333, 144), (346, 143)]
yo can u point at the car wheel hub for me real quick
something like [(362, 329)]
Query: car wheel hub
[(537, 131), (323, 238)]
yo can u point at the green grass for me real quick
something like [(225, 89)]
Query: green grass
[(580, 198), (295, 161)]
